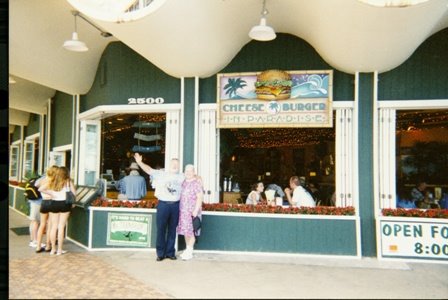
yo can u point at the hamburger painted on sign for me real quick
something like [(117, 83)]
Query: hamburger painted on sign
[(273, 85), (275, 98)]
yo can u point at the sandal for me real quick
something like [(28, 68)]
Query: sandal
[(47, 250), (62, 252), (40, 250)]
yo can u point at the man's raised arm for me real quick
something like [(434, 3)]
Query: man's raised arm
[(145, 167)]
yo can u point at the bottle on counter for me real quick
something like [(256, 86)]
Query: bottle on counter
[(229, 184), (224, 188)]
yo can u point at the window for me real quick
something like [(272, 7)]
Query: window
[(413, 149), (89, 155), (421, 156), (325, 156), (14, 159), (31, 156), (28, 162)]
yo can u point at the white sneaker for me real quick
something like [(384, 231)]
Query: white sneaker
[(33, 244), (186, 255)]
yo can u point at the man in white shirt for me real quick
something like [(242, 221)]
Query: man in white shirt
[(168, 186), (300, 196)]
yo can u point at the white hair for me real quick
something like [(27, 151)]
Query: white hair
[(134, 173), (189, 166)]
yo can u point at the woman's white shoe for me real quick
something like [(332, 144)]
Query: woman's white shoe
[(187, 254)]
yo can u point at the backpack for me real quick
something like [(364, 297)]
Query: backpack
[(31, 191)]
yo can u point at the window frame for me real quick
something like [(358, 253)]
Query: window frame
[(29, 148), (15, 147), (345, 150), (385, 190)]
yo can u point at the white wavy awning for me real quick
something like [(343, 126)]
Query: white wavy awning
[(187, 38)]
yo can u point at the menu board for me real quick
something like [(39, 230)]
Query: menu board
[(85, 194)]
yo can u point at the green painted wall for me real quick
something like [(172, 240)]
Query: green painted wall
[(61, 120), (16, 134), (189, 121), (122, 73), (33, 125), (423, 76), (78, 225), (365, 171), (11, 196), (21, 204), (287, 52), (261, 234)]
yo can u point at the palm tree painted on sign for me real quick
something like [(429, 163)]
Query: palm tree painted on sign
[(234, 84), (274, 106)]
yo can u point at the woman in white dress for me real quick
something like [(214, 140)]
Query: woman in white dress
[(255, 195)]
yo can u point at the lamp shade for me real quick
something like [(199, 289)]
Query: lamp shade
[(75, 44), (262, 32)]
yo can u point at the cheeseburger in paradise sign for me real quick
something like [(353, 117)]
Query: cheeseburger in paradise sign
[(275, 98)]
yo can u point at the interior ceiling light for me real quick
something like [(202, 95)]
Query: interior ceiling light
[(392, 3), (262, 32), (117, 11), (75, 44)]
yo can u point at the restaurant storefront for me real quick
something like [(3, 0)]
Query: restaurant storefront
[(344, 140)]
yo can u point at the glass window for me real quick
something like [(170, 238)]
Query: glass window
[(14, 162), (421, 157), (28, 163), (89, 152), (273, 155), (124, 134)]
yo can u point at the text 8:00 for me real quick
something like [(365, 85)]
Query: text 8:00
[(435, 249)]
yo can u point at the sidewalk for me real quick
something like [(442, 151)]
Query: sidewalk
[(135, 274)]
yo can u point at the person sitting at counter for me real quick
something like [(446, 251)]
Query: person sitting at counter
[(300, 196), (133, 185), (278, 193), (255, 194), (419, 195)]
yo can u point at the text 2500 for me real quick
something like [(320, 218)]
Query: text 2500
[(158, 100)]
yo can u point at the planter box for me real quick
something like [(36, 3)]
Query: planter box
[(100, 228), (422, 239), (279, 233)]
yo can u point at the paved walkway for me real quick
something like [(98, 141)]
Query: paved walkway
[(135, 274)]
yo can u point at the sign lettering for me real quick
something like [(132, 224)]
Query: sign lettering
[(158, 100), (129, 229), (300, 99), (414, 239)]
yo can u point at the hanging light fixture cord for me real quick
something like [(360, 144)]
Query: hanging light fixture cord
[(78, 14), (76, 28), (264, 11)]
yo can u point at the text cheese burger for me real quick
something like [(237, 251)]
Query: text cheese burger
[(273, 85)]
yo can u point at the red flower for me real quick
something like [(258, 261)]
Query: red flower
[(416, 213), (320, 210)]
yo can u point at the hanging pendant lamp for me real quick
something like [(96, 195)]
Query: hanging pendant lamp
[(75, 44), (262, 32)]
